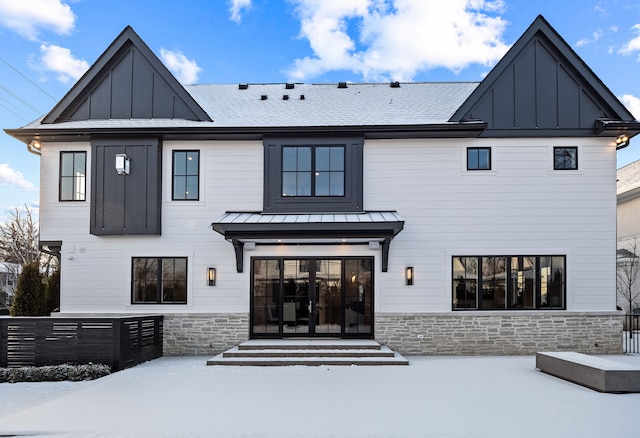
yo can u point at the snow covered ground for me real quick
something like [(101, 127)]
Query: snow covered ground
[(432, 397)]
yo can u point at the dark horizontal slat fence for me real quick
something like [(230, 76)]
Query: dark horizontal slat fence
[(120, 342)]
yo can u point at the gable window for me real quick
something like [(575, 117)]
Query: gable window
[(509, 282), (478, 158), (313, 175), (159, 280), (186, 175), (73, 176), (565, 158), (313, 171)]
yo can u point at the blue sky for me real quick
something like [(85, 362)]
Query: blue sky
[(46, 45)]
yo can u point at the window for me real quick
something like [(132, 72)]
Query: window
[(157, 280), (73, 176), (509, 282), (478, 158), (313, 175), (313, 171), (565, 158), (186, 171)]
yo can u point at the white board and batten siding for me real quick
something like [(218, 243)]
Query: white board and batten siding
[(520, 207)]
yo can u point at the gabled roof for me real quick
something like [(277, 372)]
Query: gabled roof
[(542, 87), (127, 81), (628, 185)]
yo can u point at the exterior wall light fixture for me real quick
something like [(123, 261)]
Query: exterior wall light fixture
[(622, 141), (211, 276), (122, 164), (409, 275)]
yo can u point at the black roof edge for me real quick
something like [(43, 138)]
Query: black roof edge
[(446, 130), (540, 24), (127, 34)]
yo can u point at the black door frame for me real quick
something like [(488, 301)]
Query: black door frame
[(344, 333)]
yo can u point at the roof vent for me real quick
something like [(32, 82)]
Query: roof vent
[(243, 86), (263, 97), (302, 97), (342, 85), (289, 86), (285, 97), (395, 84)]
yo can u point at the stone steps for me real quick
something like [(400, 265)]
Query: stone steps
[(313, 352)]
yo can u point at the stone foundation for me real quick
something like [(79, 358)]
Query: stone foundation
[(197, 334), (503, 333)]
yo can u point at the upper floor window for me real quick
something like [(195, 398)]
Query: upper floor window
[(478, 158), (159, 280), (186, 175), (313, 171), (565, 158), (313, 175), (73, 176)]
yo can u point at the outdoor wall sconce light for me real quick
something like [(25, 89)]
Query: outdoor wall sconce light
[(622, 141), (122, 164), (211, 276), (409, 275)]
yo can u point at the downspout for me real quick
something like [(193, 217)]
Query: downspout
[(34, 147)]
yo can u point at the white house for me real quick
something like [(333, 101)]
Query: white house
[(628, 235), (436, 218)]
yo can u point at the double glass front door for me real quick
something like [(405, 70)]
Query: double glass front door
[(311, 297)]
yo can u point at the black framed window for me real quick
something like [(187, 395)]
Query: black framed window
[(159, 280), (509, 282), (313, 175), (73, 176), (478, 158), (186, 175), (313, 171), (565, 158)]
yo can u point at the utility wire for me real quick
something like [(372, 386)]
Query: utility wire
[(37, 111), (14, 113), (28, 80)]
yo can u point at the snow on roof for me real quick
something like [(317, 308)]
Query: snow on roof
[(329, 105)]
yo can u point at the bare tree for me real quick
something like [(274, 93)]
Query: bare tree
[(628, 274), (19, 241)]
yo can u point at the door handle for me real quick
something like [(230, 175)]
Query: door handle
[(310, 307)]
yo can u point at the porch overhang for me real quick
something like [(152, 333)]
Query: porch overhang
[(326, 228)]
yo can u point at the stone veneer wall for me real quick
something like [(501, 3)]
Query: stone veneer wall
[(504, 333), (197, 334)]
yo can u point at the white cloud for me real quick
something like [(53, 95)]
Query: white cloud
[(595, 37), (633, 45), (632, 103), (397, 38), (61, 61), (29, 17), (236, 7), (186, 70), (9, 176)]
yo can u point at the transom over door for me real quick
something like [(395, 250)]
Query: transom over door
[(311, 297)]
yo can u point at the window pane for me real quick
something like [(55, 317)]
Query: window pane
[(523, 270), (289, 159), (465, 282), (192, 187), (322, 184), (179, 187), (337, 184), (289, 184), (304, 159), (179, 163), (66, 189), (79, 164), (323, 158), (192, 163), (337, 158), (303, 184), (494, 282), (145, 276), (483, 159), (66, 168), (472, 158)]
